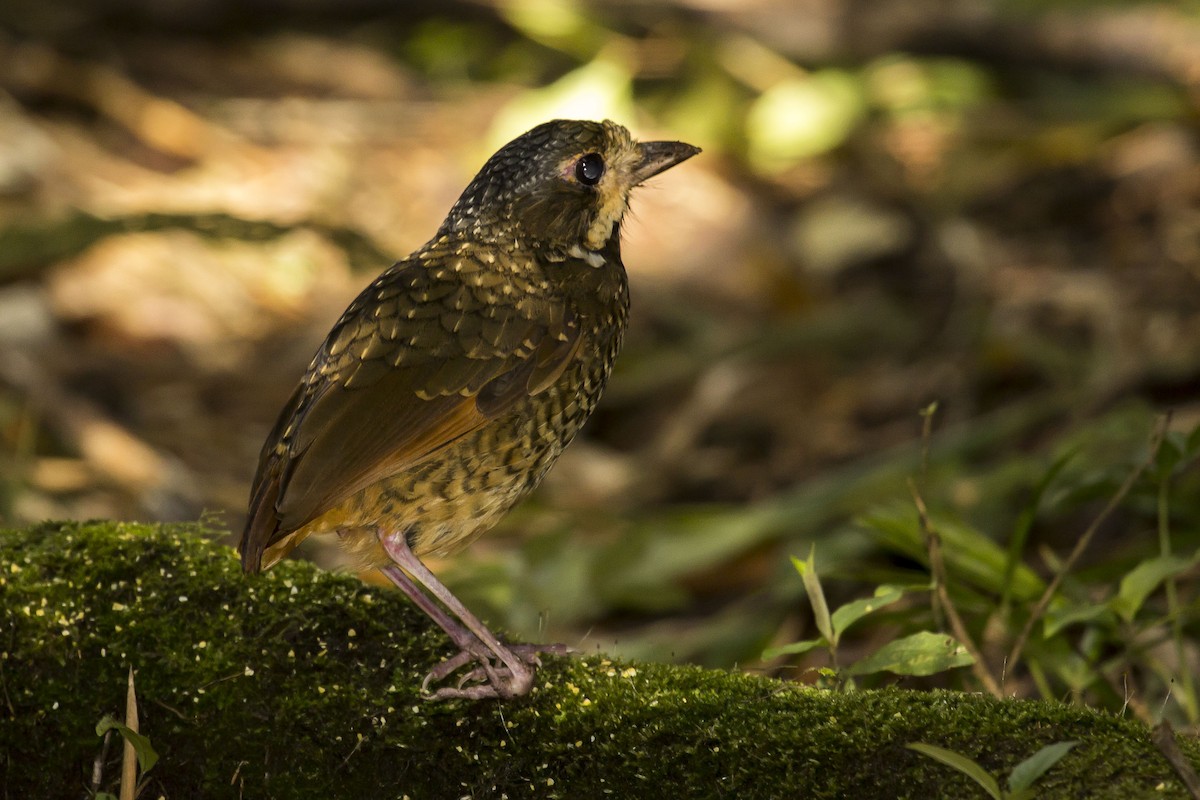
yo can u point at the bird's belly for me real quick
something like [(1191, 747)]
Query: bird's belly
[(445, 502)]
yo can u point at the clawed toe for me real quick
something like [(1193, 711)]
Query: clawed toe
[(484, 681), (447, 667), (494, 674)]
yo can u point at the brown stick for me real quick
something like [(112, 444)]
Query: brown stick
[(1164, 739), (1043, 602), (937, 566)]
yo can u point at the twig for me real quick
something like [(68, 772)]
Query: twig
[(1129, 696), (228, 677), (172, 709), (1187, 689), (937, 566), (926, 436), (1164, 739), (1043, 602), (237, 772), (933, 541), (12, 712), (98, 763)]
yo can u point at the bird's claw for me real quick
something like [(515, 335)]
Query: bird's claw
[(491, 676)]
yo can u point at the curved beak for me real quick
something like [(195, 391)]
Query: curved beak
[(660, 156)]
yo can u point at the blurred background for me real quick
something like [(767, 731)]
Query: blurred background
[(993, 205)]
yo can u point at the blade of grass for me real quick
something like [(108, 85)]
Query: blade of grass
[(1016, 545), (816, 594), (1025, 774), (1187, 684), (129, 756), (961, 763)]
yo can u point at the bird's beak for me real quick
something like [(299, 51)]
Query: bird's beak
[(659, 156)]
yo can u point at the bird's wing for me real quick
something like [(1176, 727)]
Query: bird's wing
[(419, 359)]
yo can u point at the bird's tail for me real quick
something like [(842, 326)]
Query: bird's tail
[(262, 527)]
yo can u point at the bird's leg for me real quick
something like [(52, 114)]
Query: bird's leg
[(474, 640), (470, 648)]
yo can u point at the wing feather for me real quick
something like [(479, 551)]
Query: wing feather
[(411, 367)]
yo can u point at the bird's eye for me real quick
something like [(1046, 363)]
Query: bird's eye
[(589, 169)]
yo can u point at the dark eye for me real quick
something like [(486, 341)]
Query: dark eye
[(589, 169)]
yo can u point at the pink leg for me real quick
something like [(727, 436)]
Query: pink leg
[(511, 677), (470, 648)]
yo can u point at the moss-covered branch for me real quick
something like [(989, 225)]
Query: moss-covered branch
[(301, 683)]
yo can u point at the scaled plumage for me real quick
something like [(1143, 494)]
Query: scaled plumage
[(453, 382)]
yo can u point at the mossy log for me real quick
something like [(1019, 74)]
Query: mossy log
[(301, 683)]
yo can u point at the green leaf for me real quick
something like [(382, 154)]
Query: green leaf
[(803, 116), (1025, 774), (146, 756), (971, 555), (961, 763), (1016, 544), (816, 595), (606, 82), (1193, 441), (1170, 453), (795, 648), (922, 653), (1061, 616), (1076, 671), (855, 610), (1144, 579), (653, 557)]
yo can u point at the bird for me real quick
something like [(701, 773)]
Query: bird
[(452, 383)]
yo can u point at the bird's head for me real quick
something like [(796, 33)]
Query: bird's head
[(565, 184)]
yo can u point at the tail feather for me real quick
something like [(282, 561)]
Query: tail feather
[(262, 526)]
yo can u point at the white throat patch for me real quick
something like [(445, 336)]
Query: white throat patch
[(593, 258)]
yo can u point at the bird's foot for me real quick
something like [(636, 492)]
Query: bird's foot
[(493, 674)]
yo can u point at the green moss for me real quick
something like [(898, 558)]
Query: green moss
[(301, 683)]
